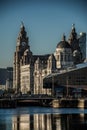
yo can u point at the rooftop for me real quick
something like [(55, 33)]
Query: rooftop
[(69, 69)]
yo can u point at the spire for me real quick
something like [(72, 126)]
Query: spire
[(73, 25), (63, 37), (73, 28), (22, 24), (22, 31), (22, 37), (73, 34)]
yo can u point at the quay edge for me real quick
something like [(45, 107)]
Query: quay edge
[(69, 103)]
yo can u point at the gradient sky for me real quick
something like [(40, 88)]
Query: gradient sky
[(45, 22)]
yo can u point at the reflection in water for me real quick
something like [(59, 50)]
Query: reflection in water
[(41, 121), (49, 122), (32, 122)]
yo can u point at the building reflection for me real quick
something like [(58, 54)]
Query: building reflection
[(36, 122), (49, 122)]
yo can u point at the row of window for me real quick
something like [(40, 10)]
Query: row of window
[(64, 57)]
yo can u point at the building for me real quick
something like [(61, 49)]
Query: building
[(82, 44), (6, 78), (74, 78), (22, 57), (75, 46), (29, 70), (63, 54), (25, 78), (41, 70)]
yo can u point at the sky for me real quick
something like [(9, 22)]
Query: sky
[(45, 22)]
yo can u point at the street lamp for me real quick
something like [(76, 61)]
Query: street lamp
[(67, 92), (52, 85)]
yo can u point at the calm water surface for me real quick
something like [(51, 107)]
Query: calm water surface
[(43, 118)]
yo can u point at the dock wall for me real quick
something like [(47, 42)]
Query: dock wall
[(69, 103)]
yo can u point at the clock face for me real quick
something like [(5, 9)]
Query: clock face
[(23, 43)]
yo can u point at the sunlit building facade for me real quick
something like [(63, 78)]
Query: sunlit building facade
[(29, 70)]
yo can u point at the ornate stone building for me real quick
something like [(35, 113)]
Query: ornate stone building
[(22, 57), (40, 71), (74, 43), (29, 70), (63, 54)]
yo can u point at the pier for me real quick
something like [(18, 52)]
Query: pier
[(43, 101), (69, 103), (8, 103), (24, 101)]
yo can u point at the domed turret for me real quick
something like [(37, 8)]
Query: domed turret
[(63, 54), (63, 43)]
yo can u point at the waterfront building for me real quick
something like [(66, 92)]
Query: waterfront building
[(63, 54), (41, 70), (72, 79), (82, 44), (30, 70), (22, 57), (26, 79), (6, 78), (75, 46)]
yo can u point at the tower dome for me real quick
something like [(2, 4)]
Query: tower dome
[(63, 43)]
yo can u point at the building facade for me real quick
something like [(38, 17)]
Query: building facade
[(70, 82), (75, 46), (82, 43), (26, 80), (41, 70), (29, 70), (63, 54), (6, 78), (22, 57)]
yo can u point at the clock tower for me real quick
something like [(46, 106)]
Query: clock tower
[(21, 47)]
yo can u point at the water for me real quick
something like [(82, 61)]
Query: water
[(43, 118)]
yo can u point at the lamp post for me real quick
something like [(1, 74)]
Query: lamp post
[(67, 92), (52, 85)]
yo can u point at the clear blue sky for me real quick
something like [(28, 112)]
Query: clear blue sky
[(45, 22)]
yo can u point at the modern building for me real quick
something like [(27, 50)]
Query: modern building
[(74, 78), (29, 70), (6, 78), (82, 44)]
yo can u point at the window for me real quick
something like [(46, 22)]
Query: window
[(57, 57), (61, 57)]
